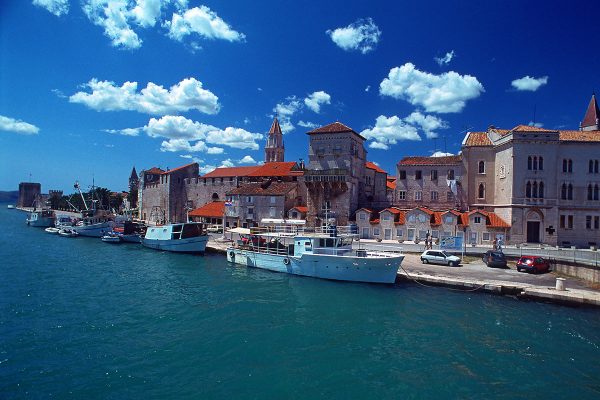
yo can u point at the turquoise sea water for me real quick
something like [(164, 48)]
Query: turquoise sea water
[(83, 319)]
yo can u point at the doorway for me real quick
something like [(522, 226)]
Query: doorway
[(533, 231)]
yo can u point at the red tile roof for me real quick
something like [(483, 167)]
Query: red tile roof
[(529, 128), (592, 113), (364, 209), (425, 210), (579, 136), (336, 127), (447, 160), (216, 209), (391, 184), (373, 166), (178, 168), (275, 128), (302, 209), (264, 188), (399, 215), (437, 218), (492, 219), (477, 139), (284, 168), (154, 170), (226, 172)]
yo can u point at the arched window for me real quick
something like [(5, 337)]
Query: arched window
[(570, 165), (529, 163), (481, 191), (596, 193), (481, 167), (563, 191), (528, 190), (590, 195), (564, 165), (591, 167), (215, 196), (535, 190), (541, 163), (541, 190), (535, 163), (570, 192), (450, 174)]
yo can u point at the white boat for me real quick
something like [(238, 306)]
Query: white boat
[(43, 218), (10, 207), (111, 237), (52, 230), (68, 232), (188, 237), (132, 232), (325, 253)]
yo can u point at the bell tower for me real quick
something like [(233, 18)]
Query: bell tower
[(274, 148), (591, 120)]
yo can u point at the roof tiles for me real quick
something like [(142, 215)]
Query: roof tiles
[(446, 160), (215, 209)]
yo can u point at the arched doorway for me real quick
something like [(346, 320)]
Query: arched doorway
[(215, 197), (535, 222)]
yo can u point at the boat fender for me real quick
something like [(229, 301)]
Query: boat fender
[(286, 261), (232, 255)]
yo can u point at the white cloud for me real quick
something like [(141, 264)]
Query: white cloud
[(126, 131), (246, 121), (177, 127), (227, 163), (441, 154), (13, 125), (247, 160), (389, 131), (362, 35), (174, 145), (193, 159), (428, 123), (310, 125), (113, 16), (368, 88), (202, 21), (316, 99), (56, 7), (445, 60), (536, 124), (234, 137), (153, 99), (529, 83), (285, 111), (147, 12), (444, 93)]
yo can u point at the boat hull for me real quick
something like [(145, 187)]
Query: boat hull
[(190, 245), (343, 268), (133, 238), (94, 230), (40, 222)]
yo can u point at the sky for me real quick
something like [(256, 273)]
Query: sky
[(91, 88)]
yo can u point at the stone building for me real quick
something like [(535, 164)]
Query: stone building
[(274, 149), (29, 193)]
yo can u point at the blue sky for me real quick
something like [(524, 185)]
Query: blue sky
[(90, 88)]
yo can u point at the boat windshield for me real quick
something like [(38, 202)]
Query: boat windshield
[(191, 230)]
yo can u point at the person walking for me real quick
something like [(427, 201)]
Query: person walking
[(500, 243), (495, 243)]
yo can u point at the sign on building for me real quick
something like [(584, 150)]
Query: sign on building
[(451, 243)]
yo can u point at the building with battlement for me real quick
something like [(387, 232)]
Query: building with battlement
[(29, 194)]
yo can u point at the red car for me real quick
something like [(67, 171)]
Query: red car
[(533, 264)]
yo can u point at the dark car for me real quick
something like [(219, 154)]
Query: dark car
[(494, 259), (533, 264)]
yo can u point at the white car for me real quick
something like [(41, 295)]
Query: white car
[(214, 229), (439, 257)]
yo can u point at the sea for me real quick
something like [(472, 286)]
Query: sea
[(88, 320)]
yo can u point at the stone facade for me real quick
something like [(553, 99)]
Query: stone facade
[(274, 149), (29, 192)]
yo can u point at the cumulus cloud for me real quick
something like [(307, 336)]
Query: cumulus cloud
[(285, 110), (153, 99), (316, 99), (147, 12), (113, 16), (203, 22), (56, 7), (305, 124), (177, 127), (227, 163), (368, 88), (444, 93), (8, 124), (445, 60), (126, 131), (441, 154), (529, 83), (247, 160), (391, 130), (175, 145), (362, 35), (234, 137), (536, 124)]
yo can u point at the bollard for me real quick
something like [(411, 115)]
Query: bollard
[(560, 284)]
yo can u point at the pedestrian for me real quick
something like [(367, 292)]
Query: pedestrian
[(495, 243), (500, 243)]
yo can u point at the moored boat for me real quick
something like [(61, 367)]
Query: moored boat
[(325, 253), (188, 237), (52, 230), (68, 232), (111, 237), (10, 207), (42, 218)]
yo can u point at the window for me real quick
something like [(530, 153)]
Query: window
[(477, 220), (541, 190), (590, 194), (450, 174), (434, 175), (595, 166), (562, 222), (596, 222), (570, 166), (418, 195), (596, 192), (563, 191), (481, 167), (418, 175), (570, 222), (294, 214), (273, 199), (448, 219), (534, 191), (541, 163), (249, 199), (375, 231), (528, 190), (449, 196), (570, 192), (591, 167), (402, 174), (362, 216), (402, 195), (422, 234), (588, 222), (399, 232), (481, 191), (434, 196), (412, 218), (385, 216), (272, 212), (473, 237), (250, 211), (530, 163), (486, 236), (435, 234)]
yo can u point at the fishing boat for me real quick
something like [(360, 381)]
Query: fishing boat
[(131, 232), (188, 237), (324, 252), (93, 222), (68, 232), (42, 218)]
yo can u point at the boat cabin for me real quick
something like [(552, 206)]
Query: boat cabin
[(321, 245), (175, 231)]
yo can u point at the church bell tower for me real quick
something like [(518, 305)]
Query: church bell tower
[(274, 148)]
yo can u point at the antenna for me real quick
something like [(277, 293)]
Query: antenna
[(534, 110), (445, 149)]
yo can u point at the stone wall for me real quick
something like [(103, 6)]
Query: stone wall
[(28, 192)]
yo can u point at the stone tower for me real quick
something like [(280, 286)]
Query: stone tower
[(591, 120), (274, 148), (134, 180)]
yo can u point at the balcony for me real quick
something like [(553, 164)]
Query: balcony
[(326, 175)]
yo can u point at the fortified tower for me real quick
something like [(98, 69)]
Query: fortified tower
[(274, 149), (335, 171), (591, 120)]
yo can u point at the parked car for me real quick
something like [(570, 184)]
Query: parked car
[(214, 229), (494, 259), (533, 264), (439, 257)]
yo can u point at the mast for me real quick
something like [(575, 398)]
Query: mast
[(81, 194)]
